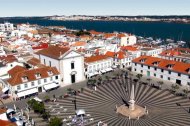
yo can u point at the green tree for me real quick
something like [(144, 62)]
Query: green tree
[(160, 84), (46, 115), (175, 87), (185, 92), (55, 121), (139, 76), (100, 79), (46, 98), (149, 79)]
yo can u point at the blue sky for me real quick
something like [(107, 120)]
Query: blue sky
[(93, 7)]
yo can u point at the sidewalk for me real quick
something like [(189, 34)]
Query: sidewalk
[(58, 92)]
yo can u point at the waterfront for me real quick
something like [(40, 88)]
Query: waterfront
[(146, 29)]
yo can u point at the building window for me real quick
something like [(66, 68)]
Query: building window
[(56, 77), (51, 78), (135, 64), (141, 71), (179, 74), (155, 68), (50, 63), (148, 67), (18, 87), (141, 65), (135, 69), (44, 61), (168, 78), (72, 65), (32, 83), (39, 81), (162, 70), (25, 85), (189, 77), (45, 80), (161, 76), (155, 75), (169, 72)]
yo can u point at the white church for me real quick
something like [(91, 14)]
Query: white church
[(68, 62)]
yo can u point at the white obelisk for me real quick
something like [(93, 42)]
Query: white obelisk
[(132, 101)]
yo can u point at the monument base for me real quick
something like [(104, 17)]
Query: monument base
[(132, 114)]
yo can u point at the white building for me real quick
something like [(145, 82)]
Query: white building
[(6, 27), (69, 63), (23, 82), (126, 40), (177, 54), (7, 62), (98, 65), (174, 71), (148, 51), (2, 52)]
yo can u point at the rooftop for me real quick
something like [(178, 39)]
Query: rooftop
[(53, 51), (163, 63)]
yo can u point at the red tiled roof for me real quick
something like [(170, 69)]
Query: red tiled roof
[(16, 69), (129, 48), (41, 46), (121, 55), (110, 54), (163, 63), (7, 123), (121, 35), (79, 44), (8, 58), (16, 78), (53, 51), (96, 58), (109, 35), (95, 32)]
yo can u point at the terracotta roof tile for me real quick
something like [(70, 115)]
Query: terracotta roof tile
[(34, 61), (96, 58), (7, 123), (16, 78), (163, 64), (79, 44), (53, 51), (110, 54)]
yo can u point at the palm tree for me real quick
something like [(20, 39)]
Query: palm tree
[(91, 82), (175, 87), (107, 78), (139, 76), (100, 79), (149, 79), (160, 84), (185, 91)]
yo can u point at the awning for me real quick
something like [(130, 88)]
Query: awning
[(96, 73), (114, 66), (91, 74), (27, 92), (50, 86), (109, 69), (10, 110), (37, 99), (80, 112), (5, 89), (103, 71)]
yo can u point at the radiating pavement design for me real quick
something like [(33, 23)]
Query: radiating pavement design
[(100, 106)]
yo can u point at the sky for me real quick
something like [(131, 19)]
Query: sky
[(10, 8)]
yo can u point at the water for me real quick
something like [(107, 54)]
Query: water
[(146, 29)]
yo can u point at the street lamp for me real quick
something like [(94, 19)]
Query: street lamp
[(74, 101)]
